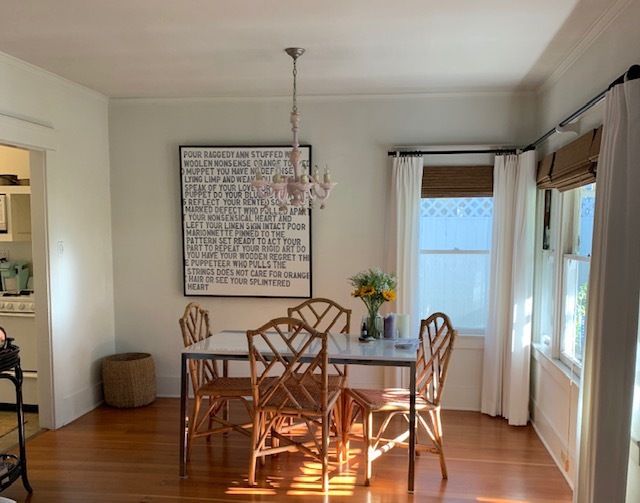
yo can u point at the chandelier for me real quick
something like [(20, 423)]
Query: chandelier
[(301, 189)]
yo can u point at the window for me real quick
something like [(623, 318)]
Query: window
[(455, 234), (576, 261), (563, 262)]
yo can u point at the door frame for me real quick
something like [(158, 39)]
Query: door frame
[(40, 141)]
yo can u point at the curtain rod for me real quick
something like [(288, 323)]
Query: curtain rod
[(632, 74), (408, 153)]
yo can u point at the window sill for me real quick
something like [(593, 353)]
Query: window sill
[(559, 370)]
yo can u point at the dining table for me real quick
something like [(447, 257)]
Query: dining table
[(342, 349)]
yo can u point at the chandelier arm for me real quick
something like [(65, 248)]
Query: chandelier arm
[(321, 191)]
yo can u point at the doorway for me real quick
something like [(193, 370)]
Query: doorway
[(37, 140)]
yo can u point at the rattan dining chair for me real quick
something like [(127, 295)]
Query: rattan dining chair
[(290, 382), (325, 315), (437, 338), (209, 385)]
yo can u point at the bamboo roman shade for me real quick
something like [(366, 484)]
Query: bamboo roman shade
[(544, 171), (594, 151), (457, 181), (572, 166)]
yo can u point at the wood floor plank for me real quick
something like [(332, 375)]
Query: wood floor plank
[(131, 455)]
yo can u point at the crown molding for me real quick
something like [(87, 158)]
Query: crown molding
[(117, 102), (50, 77), (597, 29)]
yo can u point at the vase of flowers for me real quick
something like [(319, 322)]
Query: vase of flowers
[(374, 287)]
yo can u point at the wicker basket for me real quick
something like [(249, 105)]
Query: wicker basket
[(129, 380)]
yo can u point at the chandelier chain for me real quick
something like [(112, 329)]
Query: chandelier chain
[(295, 87), (297, 189)]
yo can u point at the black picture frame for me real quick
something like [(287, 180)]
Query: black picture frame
[(235, 244)]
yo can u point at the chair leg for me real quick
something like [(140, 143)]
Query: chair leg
[(437, 432), (325, 453), (253, 457), (225, 415), (367, 431), (211, 414), (436, 437), (345, 426)]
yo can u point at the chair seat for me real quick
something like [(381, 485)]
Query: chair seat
[(227, 387), (336, 381), (303, 400), (388, 399)]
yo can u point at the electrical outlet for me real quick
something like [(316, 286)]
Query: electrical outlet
[(4, 254)]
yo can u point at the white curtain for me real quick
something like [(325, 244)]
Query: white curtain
[(612, 310), (507, 347), (402, 251)]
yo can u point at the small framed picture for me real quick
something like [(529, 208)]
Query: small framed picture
[(546, 221)]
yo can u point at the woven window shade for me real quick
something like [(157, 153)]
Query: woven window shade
[(594, 151), (545, 169), (457, 181), (572, 166)]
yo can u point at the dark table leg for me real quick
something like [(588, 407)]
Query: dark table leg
[(184, 393), (412, 427)]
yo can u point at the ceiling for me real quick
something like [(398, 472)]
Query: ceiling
[(235, 48)]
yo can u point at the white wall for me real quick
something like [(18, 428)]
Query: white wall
[(553, 408), (615, 50), (351, 135), (72, 207)]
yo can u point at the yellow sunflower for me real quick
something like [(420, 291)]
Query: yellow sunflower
[(367, 291), (389, 295)]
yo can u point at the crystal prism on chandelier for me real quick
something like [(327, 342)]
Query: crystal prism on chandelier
[(301, 189)]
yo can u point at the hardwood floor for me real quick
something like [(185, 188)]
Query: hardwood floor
[(131, 455)]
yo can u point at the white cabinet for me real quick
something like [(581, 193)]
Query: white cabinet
[(17, 212)]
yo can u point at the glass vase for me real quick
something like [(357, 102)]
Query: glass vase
[(375, 325)]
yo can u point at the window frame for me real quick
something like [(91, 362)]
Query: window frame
[(564, 243)]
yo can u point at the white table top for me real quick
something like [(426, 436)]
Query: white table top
[(342, 348)]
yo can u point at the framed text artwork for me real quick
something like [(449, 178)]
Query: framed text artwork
[(234, 243)]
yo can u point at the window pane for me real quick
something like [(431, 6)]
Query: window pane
[(576, 278), (586, 200), (546, 298), (455, 236), (456, 223), (455, 284)]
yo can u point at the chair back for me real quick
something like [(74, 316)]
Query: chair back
[(322, 314), (282, 382), (434, 353), (195, 327)]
